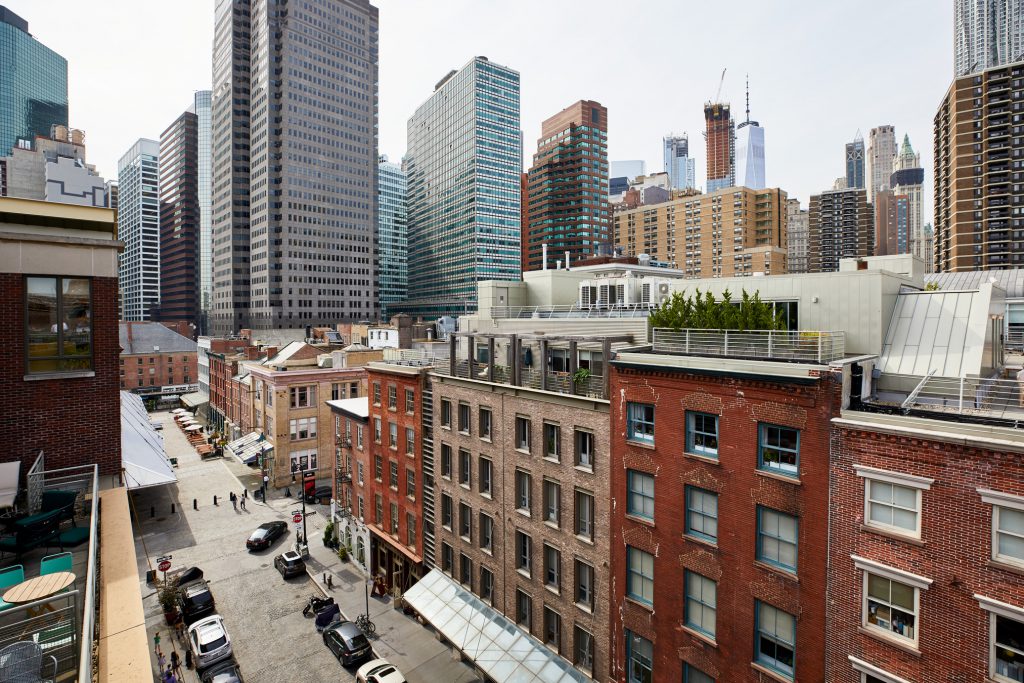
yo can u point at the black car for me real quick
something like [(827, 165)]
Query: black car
[(321, 494), (195, 601), (265, 535), (290, 564), (223, 672), (347, 642)]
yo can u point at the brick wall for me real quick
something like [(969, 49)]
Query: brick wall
[(158, 369)]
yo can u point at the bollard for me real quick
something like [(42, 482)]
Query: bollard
[(330, 581), (215, 500), (172, 508), (195, 504), (152, 512)]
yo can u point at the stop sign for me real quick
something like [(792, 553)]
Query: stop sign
[(297, 518), (164, 566)]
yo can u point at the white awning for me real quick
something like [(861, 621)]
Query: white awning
[(498, 647), (248, 448), (143, 457), (195, 399), (10, 478)]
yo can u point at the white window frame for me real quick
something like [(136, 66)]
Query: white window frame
[(915, 581), (870, 474), (1001, 500), (1007, 611), (865, 670)]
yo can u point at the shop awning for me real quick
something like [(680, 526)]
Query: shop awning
[(195, 399), (10, 476), (143, 458), (496, 646), (248, 448)]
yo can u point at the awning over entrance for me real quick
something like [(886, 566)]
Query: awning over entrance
[(143, 458), (502, 650), (195, 399), (248, 448)]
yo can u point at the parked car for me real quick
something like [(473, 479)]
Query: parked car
[(189, 575), (223, 672), (347, 642), (195, 601), (290, 564), (209, 641), (321, 494), (379, 671), (265, 535)]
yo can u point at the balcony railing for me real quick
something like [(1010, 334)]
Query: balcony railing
[(992, 398), (602, 310), (800, 346), (531, 378)]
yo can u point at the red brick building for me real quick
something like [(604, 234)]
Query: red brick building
[(229, 397), (156, 360), (58, 312), (719, 493)]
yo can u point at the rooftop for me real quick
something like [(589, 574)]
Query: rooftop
[(802, 346), (141, 338), (356, 407)]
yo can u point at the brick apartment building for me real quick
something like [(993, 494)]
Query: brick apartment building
[(156, 361), (230, 405), (351, 418), (719, 492), (58, 313)]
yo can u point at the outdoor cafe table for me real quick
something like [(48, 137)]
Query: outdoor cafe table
[(38, 588)]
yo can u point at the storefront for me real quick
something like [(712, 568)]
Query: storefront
[(399, 566)]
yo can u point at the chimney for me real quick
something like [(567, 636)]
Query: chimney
[(567, 261), (544, 247), (129, 333)]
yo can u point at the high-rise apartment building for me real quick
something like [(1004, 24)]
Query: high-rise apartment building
[(839, 226), (975, 146), (392, 234), (907, 179), (878, 162), (567, 195), (720, 137), (33, 84), (53, 169), (680, 166), (986, 34), (796, 237), (464, 161), (892, 223), (730, 232), (855, 162), (230, 108), (204, 196), (138, 226), (750, 152)]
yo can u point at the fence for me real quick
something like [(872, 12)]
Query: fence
[(573, 311), (530, 377), (986, 397), (803, 346)]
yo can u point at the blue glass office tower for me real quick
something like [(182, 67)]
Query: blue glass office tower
[(33, 84), (464, 162), (392, 235)]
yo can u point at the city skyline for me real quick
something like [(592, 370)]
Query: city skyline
[(411, 58)]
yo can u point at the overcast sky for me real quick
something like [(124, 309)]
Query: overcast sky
[(819, 71)]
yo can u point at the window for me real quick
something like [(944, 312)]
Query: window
[(447, 558), (465, 570), (584, 584), (58, 324), (552, 502), (359, 437), (487, 585), (774, 639), (302, 397), (522, 491), (392, 398), (552, 568), (702, 434), (378, 510), (393, 478), (1007, 654), (337, 392), (361, 508), (694, 675), (552, 629), (639, 659), (701, 603), (465, 467), (410, 482), (302, 428), (446, 413), (778, 449), (394, 519), (890, 606), (552, 441), (410, 529), (524, 610), (892, 506), (378, 468), (410, 401), (640, 575), (446, 511), (410, 441), (393, 435), (641, 494), (446, 461), (777, 538), (1008, 535), (464, 418), (376, 393), (701, 514), (353, 390), (583, 649), (584, 449), (303, 460), (485, 423), (376, 430), (486, 532), (523, 434), (524, 552), (640, 422), (485, 475), (465, 521), (585, 515)]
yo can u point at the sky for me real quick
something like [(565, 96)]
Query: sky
[(819, 71)]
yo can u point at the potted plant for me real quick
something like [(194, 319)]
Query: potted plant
[(343, 554), (168, 601), (329, 535), (580, 376)]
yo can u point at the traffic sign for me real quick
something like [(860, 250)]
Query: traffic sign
[(297, 518), (164, 565)]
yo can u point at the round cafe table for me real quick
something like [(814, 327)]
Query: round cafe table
[(38, 588)]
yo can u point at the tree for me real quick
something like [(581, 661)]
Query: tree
[(705, 312)]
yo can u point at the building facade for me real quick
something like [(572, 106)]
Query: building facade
[(840, 225), (567, 195), (721, 146), (156, 361), (138, 225), (969, 235), (986, 34), (681, 168), (52, 168), (392, 234), (907, 179), (204, 199), (855, 163), (350, 430), (470, 121), (750, 152), (33, 84), (878, 162), (797, 227)]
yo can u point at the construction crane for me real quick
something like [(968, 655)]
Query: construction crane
[(721, 82)]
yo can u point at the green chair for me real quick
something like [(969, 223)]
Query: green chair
[(10, 576), (51, 564)]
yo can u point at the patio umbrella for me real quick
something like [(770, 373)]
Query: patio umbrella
[(179, 410), (193, 428), (183, 416)]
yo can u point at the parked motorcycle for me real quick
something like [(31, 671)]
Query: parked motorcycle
[(315, 604)]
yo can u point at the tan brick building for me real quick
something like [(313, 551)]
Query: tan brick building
[(735, 231)]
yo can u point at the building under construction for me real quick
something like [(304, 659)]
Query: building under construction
[(721, 146)]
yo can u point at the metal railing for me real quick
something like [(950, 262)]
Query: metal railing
[(603, 310), (529, 377), (991, 397), (803, 346)]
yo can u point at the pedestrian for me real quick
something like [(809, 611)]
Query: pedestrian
[(234, 501), (245, 493), (161, 661), (241, 501), (169, 676), (175, 662)]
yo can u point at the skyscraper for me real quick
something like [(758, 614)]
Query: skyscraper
[(464, 162), (986, 34), (878, 161), (855, 162), (33, 84), (796, 237), (204, 195), (681, 168), (907, 179), (392, 234), (839, 226), (721, 146), (892, 223), (138, 226), (568, 204), (750, 152)]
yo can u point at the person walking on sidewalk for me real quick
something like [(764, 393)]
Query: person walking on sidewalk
[(234, 501), (241, 500)]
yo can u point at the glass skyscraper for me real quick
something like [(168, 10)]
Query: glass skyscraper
[(680, 166), (464, 162), (33, 84), (204, 161), (392, 235)]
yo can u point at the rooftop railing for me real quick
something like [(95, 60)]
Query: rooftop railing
[(641, 310), (798, 346), (591, 386), (990, 398)]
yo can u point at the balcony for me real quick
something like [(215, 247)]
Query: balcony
[(598, 310), (974, 399), (800, 346)]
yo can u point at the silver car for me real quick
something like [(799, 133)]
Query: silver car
[(209, 641)]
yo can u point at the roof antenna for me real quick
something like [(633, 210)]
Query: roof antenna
[(748, 98)]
